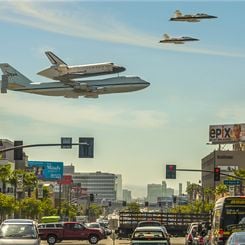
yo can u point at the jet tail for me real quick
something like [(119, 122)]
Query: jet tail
[(177, 13), (12, 79), (55, 60)]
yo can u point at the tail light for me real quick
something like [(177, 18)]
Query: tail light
[(189, 238)]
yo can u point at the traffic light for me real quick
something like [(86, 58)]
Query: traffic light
[(170, 171), (146, 204), (216, 174), (86, 149), (18, 153), (109, 203), (91, 197), (124, 203)]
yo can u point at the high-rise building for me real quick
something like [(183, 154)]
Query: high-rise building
[(180, 189), (119, 187), (154, 191), (102, 185), (127, 195), (164, 188)]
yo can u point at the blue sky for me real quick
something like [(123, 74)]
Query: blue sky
[(192, 86)]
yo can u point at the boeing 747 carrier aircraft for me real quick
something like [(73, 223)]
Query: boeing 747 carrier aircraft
[(15, 81)]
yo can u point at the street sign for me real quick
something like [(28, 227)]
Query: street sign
[(19, 183), (40, 191), (232, 182)]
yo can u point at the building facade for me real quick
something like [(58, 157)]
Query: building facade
[(101, 185), (154, 191), (227, 161)]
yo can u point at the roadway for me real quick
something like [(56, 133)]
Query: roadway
[(109, 241)]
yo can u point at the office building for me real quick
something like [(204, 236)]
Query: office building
[(154, 191), (102, 185), (127, 195), (119, 187)]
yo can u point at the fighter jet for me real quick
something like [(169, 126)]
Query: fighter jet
[(176, 40), (15, 81), (61, 71), (178, 16)]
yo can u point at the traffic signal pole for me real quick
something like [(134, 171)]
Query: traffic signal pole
[(210, 171), (36, 145)]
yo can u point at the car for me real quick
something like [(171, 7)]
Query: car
[(149, 235), (154, 223), (236, 238), (19, 231)]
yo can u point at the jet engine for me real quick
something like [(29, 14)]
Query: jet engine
[(80, 86)]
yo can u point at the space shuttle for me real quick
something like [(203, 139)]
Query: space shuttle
[(59, 70)]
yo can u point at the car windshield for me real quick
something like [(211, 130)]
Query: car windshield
[(148, 235), (25, 231)]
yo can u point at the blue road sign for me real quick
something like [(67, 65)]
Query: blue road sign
[(232, 182)]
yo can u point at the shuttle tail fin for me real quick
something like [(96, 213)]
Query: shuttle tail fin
[(55, 60), (14, 78)]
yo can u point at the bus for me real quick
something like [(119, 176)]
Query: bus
[(228, 212), (50, 219)]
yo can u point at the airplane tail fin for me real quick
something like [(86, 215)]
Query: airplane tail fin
[(177, 13), (166, 36), (55, 60), (14, 78)]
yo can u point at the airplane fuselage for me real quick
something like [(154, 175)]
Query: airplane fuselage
[(88, 88), (192, 18), (180, 40)]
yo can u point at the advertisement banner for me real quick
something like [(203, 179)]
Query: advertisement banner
[(47, 170), (227, 134), (66, 180)]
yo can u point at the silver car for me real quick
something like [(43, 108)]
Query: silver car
[(19, 232)]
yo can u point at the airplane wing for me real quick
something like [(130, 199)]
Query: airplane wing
[(55, 60)]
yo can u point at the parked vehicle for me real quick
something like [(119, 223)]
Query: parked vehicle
[(149, 235), (56, 232), (19, 231)]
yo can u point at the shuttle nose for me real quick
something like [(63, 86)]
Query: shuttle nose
[(119, 69)]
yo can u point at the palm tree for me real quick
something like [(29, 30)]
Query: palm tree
[(5, 172)]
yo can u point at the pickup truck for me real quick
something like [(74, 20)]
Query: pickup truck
[(56, 232)]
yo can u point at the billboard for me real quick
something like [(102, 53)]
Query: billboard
[(47, 170), (227, 133)]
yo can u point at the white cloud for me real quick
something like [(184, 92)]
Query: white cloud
[(64, 112), (84, 24)]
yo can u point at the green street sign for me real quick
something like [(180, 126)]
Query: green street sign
[(232, 182)]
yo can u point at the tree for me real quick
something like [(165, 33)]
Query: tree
[(133, 207), (221, 189), (30, 208), (7, 205), (5, 172)]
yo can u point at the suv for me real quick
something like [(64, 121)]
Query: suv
[(19, 231)]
